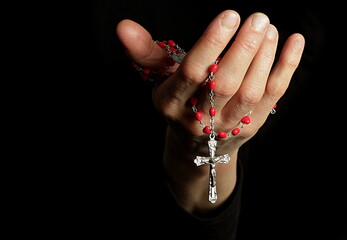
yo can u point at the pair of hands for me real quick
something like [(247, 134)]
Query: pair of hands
[(247, 78)]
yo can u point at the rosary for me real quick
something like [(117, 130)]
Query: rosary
[(176, 55)]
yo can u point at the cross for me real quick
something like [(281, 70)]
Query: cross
[(212, 160)]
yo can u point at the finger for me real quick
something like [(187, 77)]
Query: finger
[(253, 86), (281, 75), (139, 44), (237, 60), (194, 68)]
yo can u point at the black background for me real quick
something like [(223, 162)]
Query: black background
[(296, 176)]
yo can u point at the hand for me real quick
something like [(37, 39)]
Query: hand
[(247, 80)]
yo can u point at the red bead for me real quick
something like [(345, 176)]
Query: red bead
[(171, 43), (146, 71), (235, 131), (212, 84), (275, 106), (207, 129), (222, 134), (212, 111), (172, 49), (246, 120), (198, 116), (214, 68), (161, 44), (193, 101)]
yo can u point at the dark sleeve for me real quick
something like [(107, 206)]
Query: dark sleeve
[(173, 222)]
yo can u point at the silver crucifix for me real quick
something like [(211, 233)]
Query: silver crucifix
[(212, 160)]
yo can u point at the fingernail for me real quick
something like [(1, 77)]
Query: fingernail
[(271, 32), (299, 44), (259, 22), (229, 20)]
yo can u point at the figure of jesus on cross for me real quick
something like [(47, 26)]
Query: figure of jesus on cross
[(212, 160)]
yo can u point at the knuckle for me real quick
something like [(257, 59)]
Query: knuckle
[(275, 89), (191, 73), (251, 96), (214, 40), (268, 58), (291, 62), (228, 88), (248, 46), (225, 93), (168, 107)]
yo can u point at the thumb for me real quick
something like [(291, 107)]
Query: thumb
[(139, 45)]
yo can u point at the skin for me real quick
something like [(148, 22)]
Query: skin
[(247, 79)]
